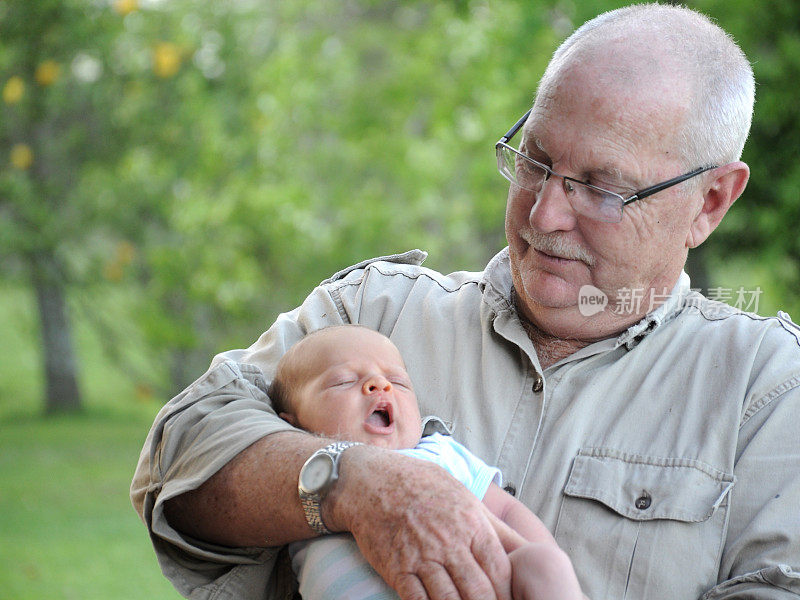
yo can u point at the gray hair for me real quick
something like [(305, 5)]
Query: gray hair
[(715, 69)]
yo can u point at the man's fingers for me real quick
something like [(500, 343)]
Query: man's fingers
[(409, 587), (462, 577), (481, 571), (439, 583), (494, 563), (478, 581)]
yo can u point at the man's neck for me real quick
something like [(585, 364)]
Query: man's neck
[(550, 349)]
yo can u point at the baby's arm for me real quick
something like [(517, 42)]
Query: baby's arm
[(540, 569), (516, 515)]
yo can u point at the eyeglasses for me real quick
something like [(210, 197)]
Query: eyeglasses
[(587, 199)]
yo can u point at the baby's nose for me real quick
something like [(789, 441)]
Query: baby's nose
[(377, 383)]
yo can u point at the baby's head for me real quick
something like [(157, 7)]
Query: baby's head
[(348, 382)]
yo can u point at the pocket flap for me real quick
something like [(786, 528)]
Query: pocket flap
[(646, 487)]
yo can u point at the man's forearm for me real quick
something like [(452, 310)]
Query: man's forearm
[(253, 500)]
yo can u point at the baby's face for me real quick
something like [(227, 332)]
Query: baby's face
[(356, 388)]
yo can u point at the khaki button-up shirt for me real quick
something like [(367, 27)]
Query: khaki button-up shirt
[(665, 461)]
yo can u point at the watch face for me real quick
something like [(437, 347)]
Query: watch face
[(316, 473)]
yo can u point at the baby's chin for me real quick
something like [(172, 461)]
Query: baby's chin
[(389, 442)]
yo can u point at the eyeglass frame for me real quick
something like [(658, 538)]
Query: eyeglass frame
[(644, 193)]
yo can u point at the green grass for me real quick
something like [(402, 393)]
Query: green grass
[(67, 528), (67, 525)]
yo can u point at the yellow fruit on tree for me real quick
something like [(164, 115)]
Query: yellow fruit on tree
[(166, 60), (21, 156), (125, 7), (47, 72), (13, 90)]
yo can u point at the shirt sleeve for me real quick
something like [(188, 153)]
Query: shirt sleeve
[(761, 555), (194, 436), (221, 414), (197, 433)]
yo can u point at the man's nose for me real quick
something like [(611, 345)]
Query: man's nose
[(552, 209), (375, 384)]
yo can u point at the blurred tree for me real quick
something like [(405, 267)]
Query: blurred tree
[(54, 124), (213, 161), (299, 138), (761, 225)]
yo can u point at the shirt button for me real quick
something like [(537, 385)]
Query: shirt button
[(538, 383), (511, 489), (643, 502)]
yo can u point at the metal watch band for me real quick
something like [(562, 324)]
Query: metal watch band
[(312, 503), (311, 507)]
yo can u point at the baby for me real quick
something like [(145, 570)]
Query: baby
[(349, 382)]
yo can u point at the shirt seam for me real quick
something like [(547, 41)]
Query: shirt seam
[(738, 313), (769, 397), (336, 296), (669, 462), (337, 286)]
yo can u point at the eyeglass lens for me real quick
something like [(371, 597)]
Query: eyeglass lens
[(586, 200)]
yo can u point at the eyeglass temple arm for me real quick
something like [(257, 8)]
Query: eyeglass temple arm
[(517, 126), (664, 185)]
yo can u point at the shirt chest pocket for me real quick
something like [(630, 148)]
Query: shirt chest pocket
[(643, 527)]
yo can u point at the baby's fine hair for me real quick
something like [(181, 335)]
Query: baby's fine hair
[(289, 370)]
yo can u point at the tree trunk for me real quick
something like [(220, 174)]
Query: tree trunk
[(61, 379)]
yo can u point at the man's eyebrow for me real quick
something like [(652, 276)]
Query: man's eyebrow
[(609, 173), (528, 141), (614, 176)]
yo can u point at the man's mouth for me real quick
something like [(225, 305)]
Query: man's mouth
[(555, 247), (551, 256)]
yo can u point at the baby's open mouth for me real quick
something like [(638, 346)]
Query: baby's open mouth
[(379, 418)]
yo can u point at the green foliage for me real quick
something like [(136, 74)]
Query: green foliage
[(215, 160), (761, 225)]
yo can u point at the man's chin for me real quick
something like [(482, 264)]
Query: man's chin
[(549, 290)]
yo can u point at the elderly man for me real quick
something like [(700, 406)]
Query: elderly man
[(653, 431)]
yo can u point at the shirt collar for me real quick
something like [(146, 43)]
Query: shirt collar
[(636, 332)]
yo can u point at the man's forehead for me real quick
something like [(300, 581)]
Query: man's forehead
[(614, 70), (590, 160), (566, 121)]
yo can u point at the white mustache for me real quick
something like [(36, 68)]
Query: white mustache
[(555, 244)]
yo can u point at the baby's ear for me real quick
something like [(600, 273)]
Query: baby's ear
[(289, 418)]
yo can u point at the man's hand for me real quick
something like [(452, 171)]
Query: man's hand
[(421, 530)]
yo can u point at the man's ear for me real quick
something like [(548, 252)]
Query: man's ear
[(720, 193)]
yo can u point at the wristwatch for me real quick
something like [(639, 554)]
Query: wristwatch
[(317, 477)]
